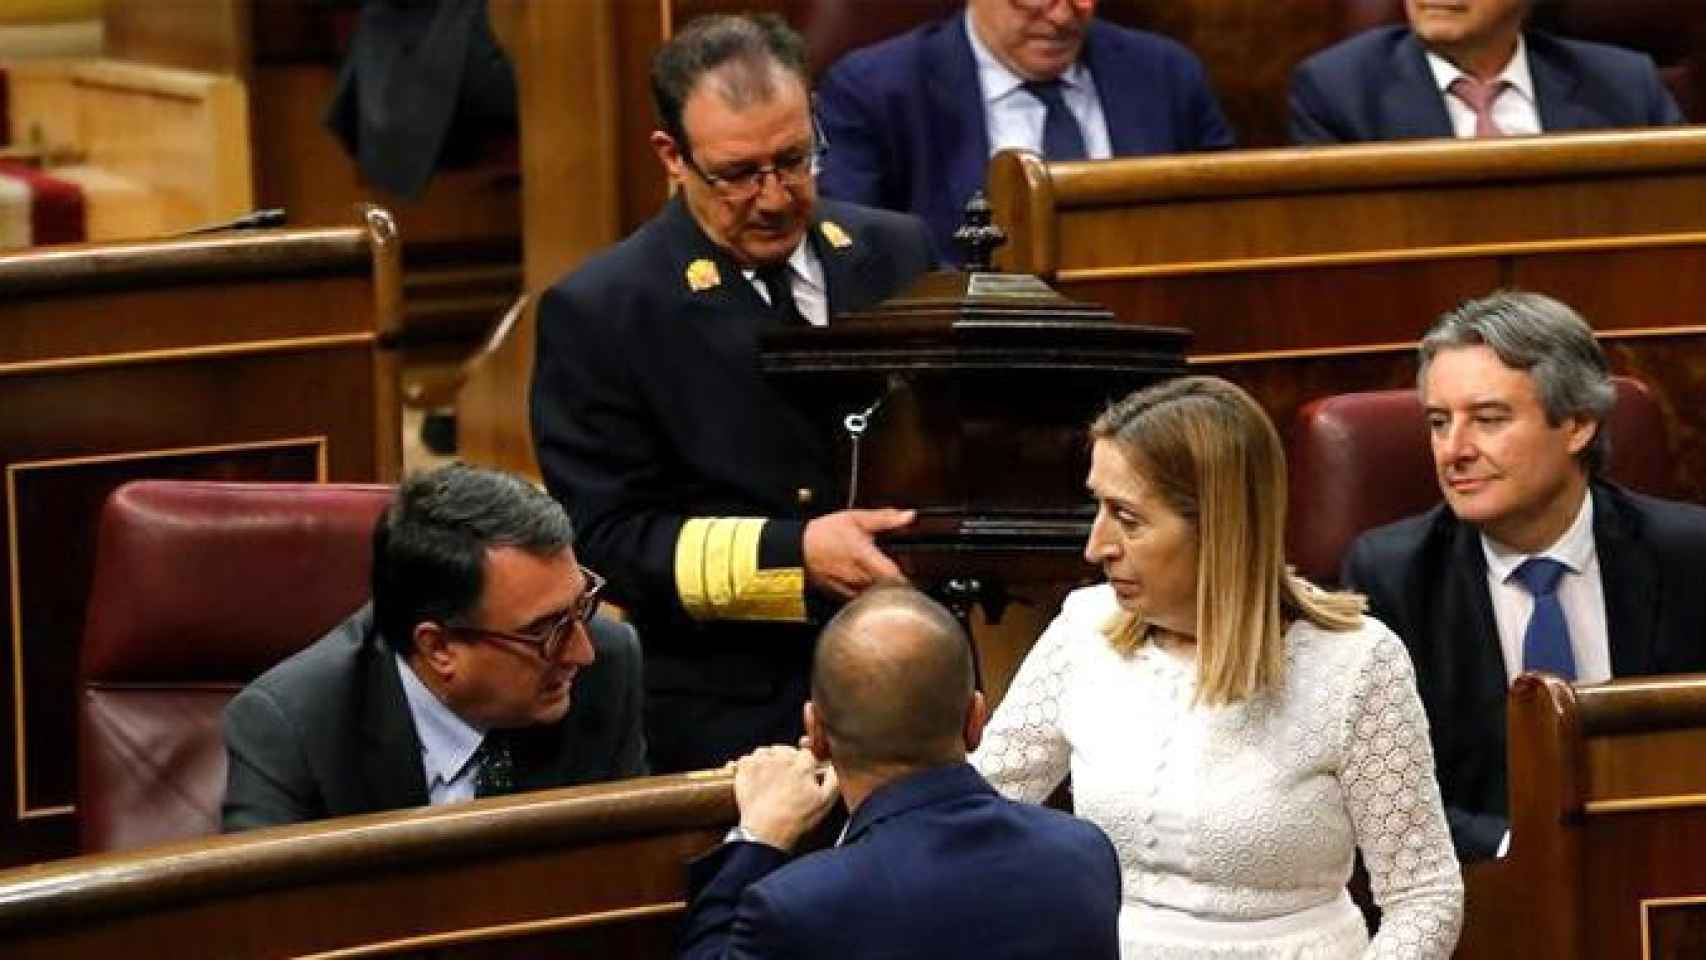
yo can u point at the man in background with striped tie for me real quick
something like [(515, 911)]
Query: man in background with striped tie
[(912, 121)]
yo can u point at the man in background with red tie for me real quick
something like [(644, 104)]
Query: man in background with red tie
[(1469, 69), (1534, 561)]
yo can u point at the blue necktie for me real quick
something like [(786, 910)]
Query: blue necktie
[(1063, 139), (1546, 642)]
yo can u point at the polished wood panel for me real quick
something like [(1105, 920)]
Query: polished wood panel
[(1124, 214), (240, 356), (565, 57), (583, 871), (1608, 815), (205, 35), (1308, 272), (162, 150)]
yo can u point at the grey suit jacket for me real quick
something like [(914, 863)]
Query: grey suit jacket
[(328, 733)]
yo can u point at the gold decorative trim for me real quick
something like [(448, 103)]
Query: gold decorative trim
[(1675, 801), (717, 574), (1647, 905), (1302, 353), (1376, 257), (290, 345), (20, 740), (498, 931)]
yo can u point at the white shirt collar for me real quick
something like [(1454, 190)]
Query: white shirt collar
[(1515, 73), (998, 81), (1574, 549), (803, 268), (447, 741)]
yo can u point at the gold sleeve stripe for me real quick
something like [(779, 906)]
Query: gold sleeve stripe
[(717, 574)]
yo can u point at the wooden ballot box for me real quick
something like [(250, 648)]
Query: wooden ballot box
[(967, 398)]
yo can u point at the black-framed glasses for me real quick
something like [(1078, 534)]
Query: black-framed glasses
[(793, 169), (549, 639)]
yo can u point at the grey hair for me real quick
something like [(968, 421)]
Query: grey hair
[(1544, 338)]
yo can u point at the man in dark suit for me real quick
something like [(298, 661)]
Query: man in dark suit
[(934, 863), (696, 486), (912, 122), (457, 679), (1467, 68), (1534, 561)]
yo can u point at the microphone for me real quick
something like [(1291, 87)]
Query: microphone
[(257, 220)]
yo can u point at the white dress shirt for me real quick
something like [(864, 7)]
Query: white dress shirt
[(1014, 118), (805, 275), (447, 741), (1580, 593), (1515, 110)]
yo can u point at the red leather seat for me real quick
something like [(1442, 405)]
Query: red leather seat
[(1359, 460), (198, 588)]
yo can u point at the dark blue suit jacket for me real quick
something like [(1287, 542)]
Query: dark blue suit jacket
[(936, 865), (906, 130), (1426, 578), (1377, 86)]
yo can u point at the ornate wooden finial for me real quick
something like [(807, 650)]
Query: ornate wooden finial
[(978, 235)]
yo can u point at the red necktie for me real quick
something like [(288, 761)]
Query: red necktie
[(1480, 96)]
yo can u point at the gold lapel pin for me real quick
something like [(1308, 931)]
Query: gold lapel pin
[(702, 275), (836, 236)]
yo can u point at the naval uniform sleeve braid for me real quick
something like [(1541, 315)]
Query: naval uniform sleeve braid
[(719, 573)]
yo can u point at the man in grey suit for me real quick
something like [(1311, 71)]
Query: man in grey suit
[(456, 681)]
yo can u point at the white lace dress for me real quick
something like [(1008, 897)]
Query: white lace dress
[(1236, 826)]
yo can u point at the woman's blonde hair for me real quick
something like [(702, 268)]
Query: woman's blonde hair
[(1210, 453)]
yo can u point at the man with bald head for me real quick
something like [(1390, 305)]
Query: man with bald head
[(933, 862)]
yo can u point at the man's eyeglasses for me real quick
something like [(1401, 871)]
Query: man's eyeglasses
[(740, 183), (549, 639), (1034, 7)]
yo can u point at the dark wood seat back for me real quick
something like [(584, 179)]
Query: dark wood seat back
[(1608, 817)]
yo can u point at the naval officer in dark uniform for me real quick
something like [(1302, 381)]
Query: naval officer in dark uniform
[(696, 488)]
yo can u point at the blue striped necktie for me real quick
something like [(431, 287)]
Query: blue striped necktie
[(1546, 642), (1063, 138)]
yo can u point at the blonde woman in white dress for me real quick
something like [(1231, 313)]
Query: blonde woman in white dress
[(1237, 732)]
